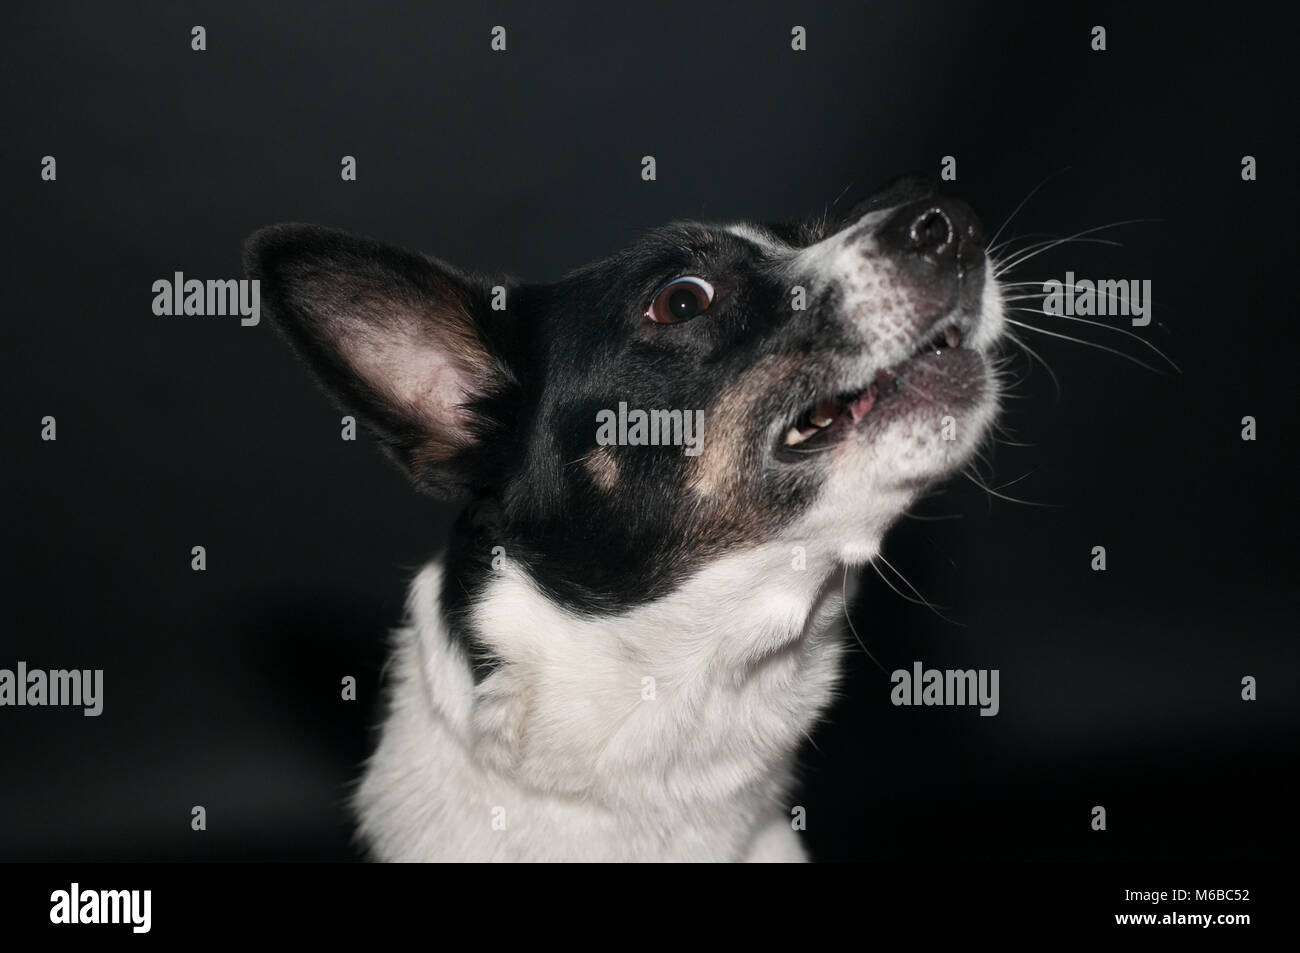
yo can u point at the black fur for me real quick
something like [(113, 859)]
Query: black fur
[(544, 368)]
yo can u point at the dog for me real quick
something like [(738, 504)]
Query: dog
[(627, 639)]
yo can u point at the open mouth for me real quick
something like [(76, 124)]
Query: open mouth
[(830, 418)]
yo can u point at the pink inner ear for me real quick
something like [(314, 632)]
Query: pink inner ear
[(421, 376), (446, 389)]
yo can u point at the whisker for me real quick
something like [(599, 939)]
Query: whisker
[(982, 458), (1072, 239), (1032, 193), (1024, 257), (919, 600), (992, 250), (1099, 324), (934, 519), (1015, 339), (1042, 294), (1006, 434), (844, 601), (1019, 478), (1003, 496), (1032, 327)]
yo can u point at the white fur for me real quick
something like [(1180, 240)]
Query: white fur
[(561, 744), (760, 237), (560, 755)]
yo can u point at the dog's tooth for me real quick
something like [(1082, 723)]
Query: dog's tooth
[(824, 414), (793, 436)]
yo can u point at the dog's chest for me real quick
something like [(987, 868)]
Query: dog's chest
[(665, 733)]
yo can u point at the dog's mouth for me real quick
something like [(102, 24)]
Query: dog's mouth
[(830, 420)]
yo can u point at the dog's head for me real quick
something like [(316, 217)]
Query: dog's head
[(837, 369)]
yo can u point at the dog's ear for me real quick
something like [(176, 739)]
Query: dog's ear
[(395, 337)]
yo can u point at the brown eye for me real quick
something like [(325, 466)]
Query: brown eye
[(681, 300)]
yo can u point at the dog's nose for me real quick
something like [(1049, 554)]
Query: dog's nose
[(938, 229)]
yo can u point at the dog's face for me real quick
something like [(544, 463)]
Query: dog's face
[(838, 368)]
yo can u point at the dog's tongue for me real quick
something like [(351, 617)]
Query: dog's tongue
[(862, 406)]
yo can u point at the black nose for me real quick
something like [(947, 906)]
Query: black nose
[(938, 229)]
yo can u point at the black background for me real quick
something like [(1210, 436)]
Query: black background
[(222, 688)]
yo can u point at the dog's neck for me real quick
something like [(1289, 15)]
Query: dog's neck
[(695, 696)]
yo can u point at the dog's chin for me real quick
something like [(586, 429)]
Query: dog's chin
[(919, 431)]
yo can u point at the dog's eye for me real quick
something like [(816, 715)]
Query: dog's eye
[(681, 300)]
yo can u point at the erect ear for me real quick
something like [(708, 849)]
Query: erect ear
[(395, 337)]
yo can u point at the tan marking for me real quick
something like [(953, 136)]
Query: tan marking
[(727, 457), (602, 466)]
